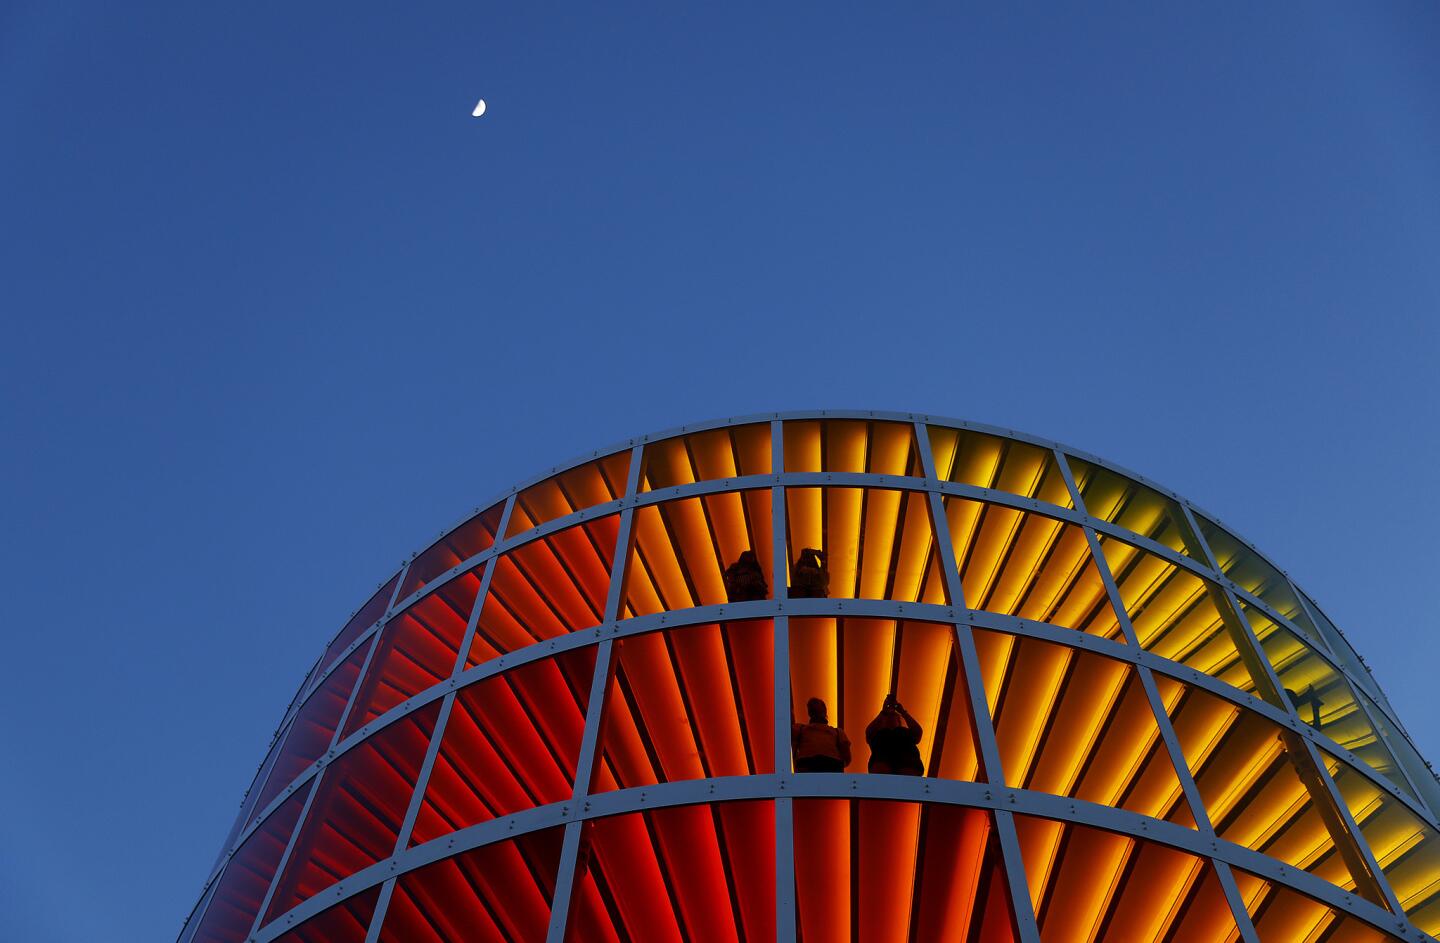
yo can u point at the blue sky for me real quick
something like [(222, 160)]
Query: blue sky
[(276, 310)]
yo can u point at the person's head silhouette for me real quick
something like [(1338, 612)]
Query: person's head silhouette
[(817, 711)]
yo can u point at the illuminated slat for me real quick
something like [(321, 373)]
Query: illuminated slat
[(988, 461), (357, 810), (313, 729), (897, 558), (346, 922), (1407, 850), (680, 873), (546, 588), (727, 452), (851, 445), (893, 872), (574, 490), (462, 543), (1090, 885), (417, 649), (1121, 500), (1028, 565), (1261, 790), (511, 743), (853, 664), (498, 893), (241, 890), (689, 703), (682, 548)]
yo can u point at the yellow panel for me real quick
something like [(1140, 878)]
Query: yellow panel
[(1321, 696), (1254, 574), (878, 543), (1028, 565), (1261, 790), (1177, 614), (1407, 850), (1074, 723), (1119, 499), (1090, 885), (1281, 913), (988, 461)]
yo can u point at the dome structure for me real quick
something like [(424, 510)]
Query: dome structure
[(1056, 702)]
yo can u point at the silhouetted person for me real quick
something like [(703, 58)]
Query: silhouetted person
[(745, 580), (809, 579), (1307, 697), (819, 747), (894, 739)]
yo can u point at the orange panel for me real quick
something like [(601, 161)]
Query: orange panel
[(1074, 723), (1089, 885), (730, 452), (893, 872), (876, 447), (853, 664), (682, 549), (579, 488)]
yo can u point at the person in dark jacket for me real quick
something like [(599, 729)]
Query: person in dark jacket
[(809, 578), (744, 580), (894, 740), (819, 747)]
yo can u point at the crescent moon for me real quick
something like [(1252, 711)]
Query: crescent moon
[(479, 109)]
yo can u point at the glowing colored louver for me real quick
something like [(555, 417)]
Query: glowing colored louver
[(573, 717)]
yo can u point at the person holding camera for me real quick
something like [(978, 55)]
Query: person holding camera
[(894, 739)]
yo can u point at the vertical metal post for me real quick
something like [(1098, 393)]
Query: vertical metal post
[(971, 677), (1157, 707), (785, 922), (595, 707)]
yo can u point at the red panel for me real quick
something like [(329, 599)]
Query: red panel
[(511, 743), (498, 892), (417, 649), (547, 588), (368, 615), (358, 809), (701, 873), (314, 727), (474, 536), (688, 704), (346, 922), (898, 871), (242, 887)]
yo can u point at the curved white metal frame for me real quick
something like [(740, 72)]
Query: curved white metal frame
[(784, 787)]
